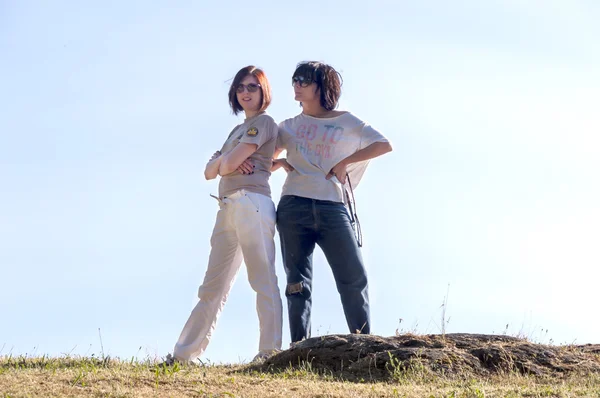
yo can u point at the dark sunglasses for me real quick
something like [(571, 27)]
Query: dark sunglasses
[(302, 81), (252, 88)]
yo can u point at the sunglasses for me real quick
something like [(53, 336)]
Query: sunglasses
[(302, 81), (252, 88)]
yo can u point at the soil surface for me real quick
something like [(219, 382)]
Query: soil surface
[(372, 357)]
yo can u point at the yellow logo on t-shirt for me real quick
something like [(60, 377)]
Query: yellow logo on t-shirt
[(252, 131)]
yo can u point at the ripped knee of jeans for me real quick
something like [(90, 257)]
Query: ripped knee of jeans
[(299, 288), (294, 288)]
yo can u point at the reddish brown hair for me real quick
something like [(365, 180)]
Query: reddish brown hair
[(265, 88)]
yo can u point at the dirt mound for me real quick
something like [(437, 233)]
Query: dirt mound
[(373, 357)]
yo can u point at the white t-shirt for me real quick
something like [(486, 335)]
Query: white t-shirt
[(315, 145)]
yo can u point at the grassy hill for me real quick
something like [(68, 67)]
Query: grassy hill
[(568, 372)]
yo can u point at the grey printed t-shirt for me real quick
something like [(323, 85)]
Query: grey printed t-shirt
[(315, 145), (262, 131)]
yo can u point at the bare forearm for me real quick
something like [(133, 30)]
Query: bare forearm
[(372, 151), (234, 158), (226, 166), (212, 168), (281, 162)]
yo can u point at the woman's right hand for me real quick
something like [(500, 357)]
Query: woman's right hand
[(246, 167), (282, 162), (215, 155)]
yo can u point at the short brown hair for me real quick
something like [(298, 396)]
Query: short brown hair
[(328, 80), (265, 88)]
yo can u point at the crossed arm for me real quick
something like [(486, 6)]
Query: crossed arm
[(223, 164)]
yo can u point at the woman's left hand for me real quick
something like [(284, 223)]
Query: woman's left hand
[(339, 170)]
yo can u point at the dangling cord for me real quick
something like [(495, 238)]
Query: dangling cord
[(353, 215)]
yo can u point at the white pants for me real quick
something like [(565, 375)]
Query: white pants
[(244, 229)]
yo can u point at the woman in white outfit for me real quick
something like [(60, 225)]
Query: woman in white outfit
[(245, 225)]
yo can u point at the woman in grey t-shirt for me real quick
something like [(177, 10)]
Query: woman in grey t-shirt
[(245, 224), (327, 154)]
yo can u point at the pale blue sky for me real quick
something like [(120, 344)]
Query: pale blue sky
[(110, 110)]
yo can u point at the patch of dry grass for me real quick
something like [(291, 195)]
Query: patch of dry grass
[(92, 377)]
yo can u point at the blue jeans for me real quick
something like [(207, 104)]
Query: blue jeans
[(302, 223)]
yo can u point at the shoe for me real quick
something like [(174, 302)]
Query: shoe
[(264, 355), (169, 361)]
